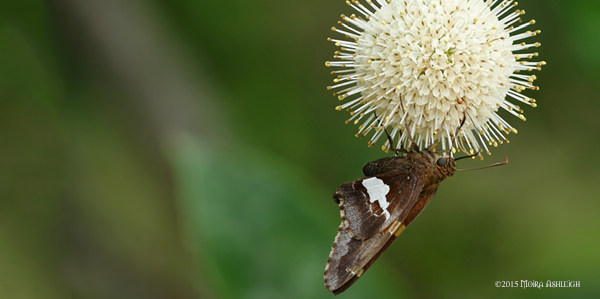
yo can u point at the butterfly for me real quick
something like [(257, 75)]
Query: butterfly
[(377, 208)]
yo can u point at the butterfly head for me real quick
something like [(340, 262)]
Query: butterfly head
[(446, 165)]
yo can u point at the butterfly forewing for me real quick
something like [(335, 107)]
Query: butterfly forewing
[(372, 204), (372, 212)]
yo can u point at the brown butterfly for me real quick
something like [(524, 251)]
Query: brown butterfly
[(377, 208)]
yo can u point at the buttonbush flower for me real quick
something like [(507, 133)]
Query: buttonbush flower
[(435, 68)]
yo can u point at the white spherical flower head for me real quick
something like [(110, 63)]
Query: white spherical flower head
[(434, 70)]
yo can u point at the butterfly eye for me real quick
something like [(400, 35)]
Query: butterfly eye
[(441, 162)]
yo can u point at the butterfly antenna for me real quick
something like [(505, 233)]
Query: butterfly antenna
[(489, 166)]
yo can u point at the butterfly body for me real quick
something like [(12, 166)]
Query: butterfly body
[(377, 208)]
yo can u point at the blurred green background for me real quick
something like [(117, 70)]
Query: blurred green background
[(189, 149)]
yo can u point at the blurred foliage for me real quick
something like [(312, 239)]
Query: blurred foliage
[(189, 149)]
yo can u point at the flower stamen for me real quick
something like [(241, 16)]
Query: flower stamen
[(419, 65)]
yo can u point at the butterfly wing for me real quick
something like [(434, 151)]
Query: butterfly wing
[(372, 214), (422, 202), (370, 205), (348, 250), (349, 257)]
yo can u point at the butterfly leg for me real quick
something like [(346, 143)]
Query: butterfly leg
[(391, 141)]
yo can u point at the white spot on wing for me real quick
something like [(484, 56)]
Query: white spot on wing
[(378, 190)]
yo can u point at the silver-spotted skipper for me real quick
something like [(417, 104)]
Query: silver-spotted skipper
[(377, 208)]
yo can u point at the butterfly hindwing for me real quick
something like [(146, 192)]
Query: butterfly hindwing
[(421, 204), (349, 256)]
